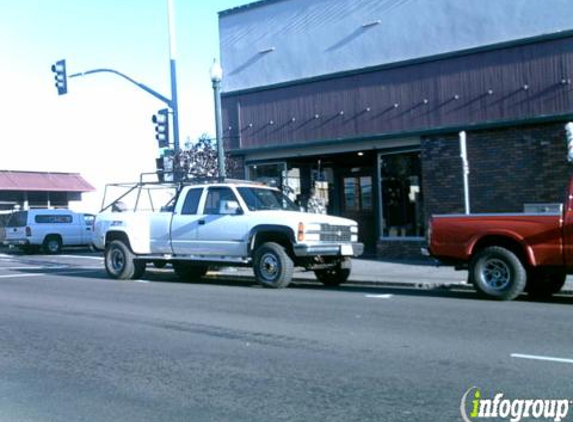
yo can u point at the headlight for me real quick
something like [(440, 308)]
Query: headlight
[(308, 232)]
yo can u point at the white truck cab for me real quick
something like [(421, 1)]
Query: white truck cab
[(235, 223)]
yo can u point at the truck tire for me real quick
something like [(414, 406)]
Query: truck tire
[(52, 244), (189, 272), (542, 283), (497, 273), (335, 276), (272, 266), (120, 262)]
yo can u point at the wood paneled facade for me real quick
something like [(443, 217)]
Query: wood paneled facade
[(526, 80)]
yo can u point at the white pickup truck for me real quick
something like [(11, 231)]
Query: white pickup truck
[(234, 223)]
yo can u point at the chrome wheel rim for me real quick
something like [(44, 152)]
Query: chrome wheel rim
[(496, 274), (53, 246), (117, 260), (269, 266)]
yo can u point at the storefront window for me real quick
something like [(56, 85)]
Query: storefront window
[(402, 202), (270, 174), (277, 175)]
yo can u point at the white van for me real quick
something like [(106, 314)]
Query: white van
[(49, 229)]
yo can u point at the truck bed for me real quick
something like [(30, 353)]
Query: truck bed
[(455, 236)]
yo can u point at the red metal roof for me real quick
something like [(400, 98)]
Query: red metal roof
[(33, 181)]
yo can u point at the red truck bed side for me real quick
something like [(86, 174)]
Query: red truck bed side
[(539, 236)]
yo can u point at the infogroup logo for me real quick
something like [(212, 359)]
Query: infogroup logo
[(474, 407)]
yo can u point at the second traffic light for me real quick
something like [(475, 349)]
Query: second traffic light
[(59, 69), (161, 121)]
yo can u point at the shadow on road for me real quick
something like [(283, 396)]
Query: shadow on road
[(154, 275)]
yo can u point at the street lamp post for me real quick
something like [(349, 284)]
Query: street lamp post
[(173, 72), (216, 78)]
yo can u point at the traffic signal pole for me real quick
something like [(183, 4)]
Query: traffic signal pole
[(133, 81), (59, 69)]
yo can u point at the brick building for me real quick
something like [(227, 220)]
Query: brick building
[(364, 101)]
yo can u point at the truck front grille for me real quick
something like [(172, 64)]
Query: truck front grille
[(330, 233)]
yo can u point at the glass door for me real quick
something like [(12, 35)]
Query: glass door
[(357, 204)]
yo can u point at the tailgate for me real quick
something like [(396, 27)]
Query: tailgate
[(16, 226), (15, 233)]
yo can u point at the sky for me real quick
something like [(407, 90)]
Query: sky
[(102, 127)]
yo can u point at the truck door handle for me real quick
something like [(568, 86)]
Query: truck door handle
[(202, 222)]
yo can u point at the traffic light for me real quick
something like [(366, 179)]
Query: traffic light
[(569, 135), (161, 121), (59, 68), (160, 166), (164, 167)]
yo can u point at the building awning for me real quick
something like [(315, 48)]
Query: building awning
[(32, 181)]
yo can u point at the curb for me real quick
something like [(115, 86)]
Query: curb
[(430, 285), (396, 284)]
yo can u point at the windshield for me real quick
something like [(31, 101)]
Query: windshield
[(258, 199), (18, 219)]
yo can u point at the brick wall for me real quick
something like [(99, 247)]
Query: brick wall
[(442, 183), (399, 250), (508, 168)]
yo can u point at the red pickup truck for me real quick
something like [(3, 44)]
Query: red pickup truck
[(507, 254)]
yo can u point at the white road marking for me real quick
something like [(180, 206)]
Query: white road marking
[(78, 270), (386, 296), (36, 267), (544, 358), (140, 281), (21, 275), (98, 258)]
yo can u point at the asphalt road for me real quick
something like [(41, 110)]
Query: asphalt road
[(77, 346)]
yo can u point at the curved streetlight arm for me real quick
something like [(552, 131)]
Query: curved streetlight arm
[(133, 81)]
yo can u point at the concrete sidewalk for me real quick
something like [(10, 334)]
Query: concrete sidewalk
[(392, 274)]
